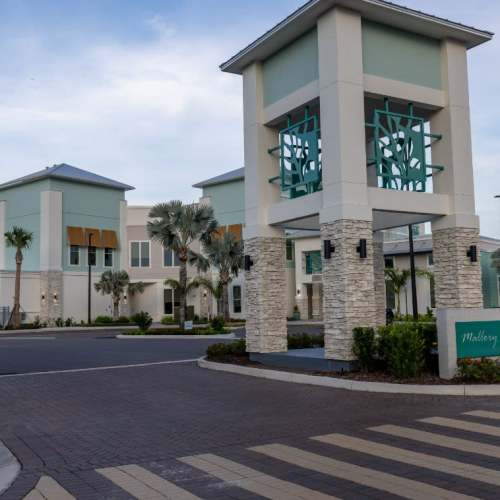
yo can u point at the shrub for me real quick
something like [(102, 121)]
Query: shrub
[(304, 341), (406, 352), (223, 351), (364, 347), (123, 319), (482, 370), (59, 322), (143, 320), (217, 324), (168, 320), (69, 322), (103, 320)]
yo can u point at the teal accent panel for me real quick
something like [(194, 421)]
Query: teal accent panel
[(23, 206), (89, 206), (476, 339), (291, 68), (490, 281), (228, 202), (401, 55), (314, 264)]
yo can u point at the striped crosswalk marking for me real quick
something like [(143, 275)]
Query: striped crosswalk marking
[(463, 425), (48, 489), (453, 443), (406, 488), (463, 470), (495, 415), (142, 484), (252, 480)]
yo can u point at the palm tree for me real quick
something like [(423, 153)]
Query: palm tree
[(115, 283), (397, 281), (226, 254), (20, 239), (177, 226)]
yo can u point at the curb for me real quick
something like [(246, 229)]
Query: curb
[(354, 385), (178, 337), (9, 468)]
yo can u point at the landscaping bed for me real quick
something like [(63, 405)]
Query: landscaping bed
[(177, 331)]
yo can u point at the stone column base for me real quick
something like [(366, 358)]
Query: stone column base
[(457, 279), (51, 296), (348, 286), (266, 295)]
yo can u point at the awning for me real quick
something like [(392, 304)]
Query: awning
[(75, 236), (95, 237), (109, 239), (235, 230)]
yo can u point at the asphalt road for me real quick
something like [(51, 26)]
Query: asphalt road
[(77, 428)]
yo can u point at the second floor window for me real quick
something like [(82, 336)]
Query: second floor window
[(237, 298), (91, 256), (313, 262), (289, 250), (74, 255), (108, 257), (139, 254), (170, 258)]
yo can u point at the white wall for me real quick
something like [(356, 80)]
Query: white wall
[(30, 292)]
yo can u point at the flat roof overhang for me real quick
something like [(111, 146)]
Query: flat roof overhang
[(305, 17)]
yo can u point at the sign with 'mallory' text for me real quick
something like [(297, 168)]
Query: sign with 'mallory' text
[(476, 339)]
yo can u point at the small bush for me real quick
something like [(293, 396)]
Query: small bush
[(222, 351), (59, 322), (364, 347), (123, 320), (304, 341), (168, 320), (217, 324), (103, 320), (406, 353), (69, 322), (143, 320), (482, 370)]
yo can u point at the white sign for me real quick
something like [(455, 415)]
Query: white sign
[(188, 325)]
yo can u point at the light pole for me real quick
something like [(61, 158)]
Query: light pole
[(89, 316), (414, 302)]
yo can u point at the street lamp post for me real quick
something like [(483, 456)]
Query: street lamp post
[(89, 315)]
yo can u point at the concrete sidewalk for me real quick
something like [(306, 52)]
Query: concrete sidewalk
[(9, 468)]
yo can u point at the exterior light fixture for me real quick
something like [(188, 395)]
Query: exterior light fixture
[(43, 296), (328, 249), (472, 253), (55, 297), (298, 291), (361, 249), (248, 262), (124, 299)]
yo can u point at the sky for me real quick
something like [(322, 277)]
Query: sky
[(132, 90)]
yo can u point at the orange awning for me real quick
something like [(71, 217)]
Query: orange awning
[(109, 239), (236, 230), (95, 237), (75, 236)]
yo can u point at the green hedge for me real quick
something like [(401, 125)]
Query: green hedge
[(225, 351)]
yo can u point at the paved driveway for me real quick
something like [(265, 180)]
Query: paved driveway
[(177, 431)]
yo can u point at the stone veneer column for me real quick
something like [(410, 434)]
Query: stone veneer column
[(379, 278), (348, 286), (51, 287), (457, 279), (266, 328)]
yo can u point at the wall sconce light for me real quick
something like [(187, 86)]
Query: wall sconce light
[(328, 249), (204, 294), (361, 249), (472, 253), (43, 296), (55, 297), (298, 292), (124, 299), (248, 262)]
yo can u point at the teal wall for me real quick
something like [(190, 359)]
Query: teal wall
[(490, 281), (89, 206), (400, 55), (23, 209), (291, 68), (228, 202)]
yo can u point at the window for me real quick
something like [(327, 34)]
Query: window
[(390, 296), (433, 293), (108, 257), (171, 300), (430, 259), (237, 298), (389, 262), (74, 255), (139, 254), (313, 262), (170, 258), (289, 250), (91, 256)]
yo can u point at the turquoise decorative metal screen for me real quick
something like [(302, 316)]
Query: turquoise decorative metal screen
[(400, 144), (314, 264), (300, 157)]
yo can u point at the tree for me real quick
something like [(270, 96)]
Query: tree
[(177, 226), (397, 281), (226, 254), (20, 239), (115, 283)]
